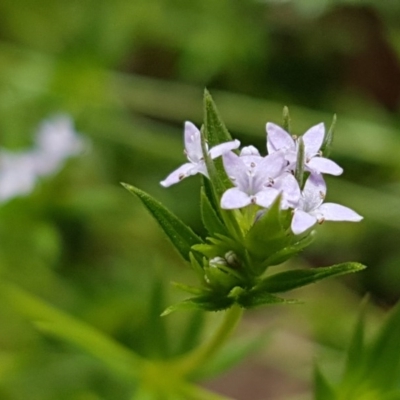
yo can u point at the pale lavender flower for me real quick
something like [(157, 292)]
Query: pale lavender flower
[(254, 181), (194, 154), (280, 140), (17, 174), (56, 141), (311, 209)]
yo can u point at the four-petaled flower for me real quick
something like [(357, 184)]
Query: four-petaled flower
[(194, 153), (280, 140), (311, 208), (254, 179)]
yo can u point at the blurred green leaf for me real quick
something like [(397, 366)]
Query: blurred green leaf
[(322, 388), (192, 334), (59, 324), (181, 236), (383, 362), (233, 353)]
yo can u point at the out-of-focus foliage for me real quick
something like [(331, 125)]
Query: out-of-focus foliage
[(130, 73)]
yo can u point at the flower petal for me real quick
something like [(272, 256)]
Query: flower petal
[(249, 151), (337, 212), (236, 170), (223, 148), (314, 192), (234, 198), (322, 165), (302, 221), (278, 139), (266, 197), (193, 148), (313, 139), (180, 173), (288, 186), (271, 165)]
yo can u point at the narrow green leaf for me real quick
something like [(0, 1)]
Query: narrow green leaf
[(256, 298), (57, 323), (267, 236), (289, 251), (181, 236), (156, 338), (188, 289), (300, 162), (215, 128), (293, 279), (328, 139), (232, 354), (192, 334), (286, 119), (210, 218), (203, 302), (356, 352), (322, 388), (383, 361)]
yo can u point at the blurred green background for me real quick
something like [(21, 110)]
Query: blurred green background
[(130, 73)]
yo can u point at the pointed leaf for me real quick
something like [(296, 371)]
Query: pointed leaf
[(215, 127), (289, 251), (256, 298), (328, 140), (383, 361), (181, 236), (267, 236), (356, 352), (322, 388), (57, 323), (203, 302), (293, 279), (210, 218), (300, 162), (156, 339), (192, 334), (233, 353), (188, 289), (286, 119)]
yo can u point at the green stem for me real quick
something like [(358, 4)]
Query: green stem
[(203, 353)]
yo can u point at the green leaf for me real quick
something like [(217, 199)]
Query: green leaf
[(256, 298), (267, 236), (192, 334), (322, 388), (232, 354), (328, 139), (156, 339), (181, 236), (289, 251), (286, 119), (216, 131), (356, 352), (383, 361), (188, 289), (293, 279), (57, 323), (210, 218), (207, 302), (300, 162)]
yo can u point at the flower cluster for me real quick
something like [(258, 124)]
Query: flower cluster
[(55, 141), (258, 211), (293, 170)]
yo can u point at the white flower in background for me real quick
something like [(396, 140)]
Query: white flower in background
[(17, 174), (56, 140)]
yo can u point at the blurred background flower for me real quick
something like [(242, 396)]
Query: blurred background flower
[(128, 73)]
